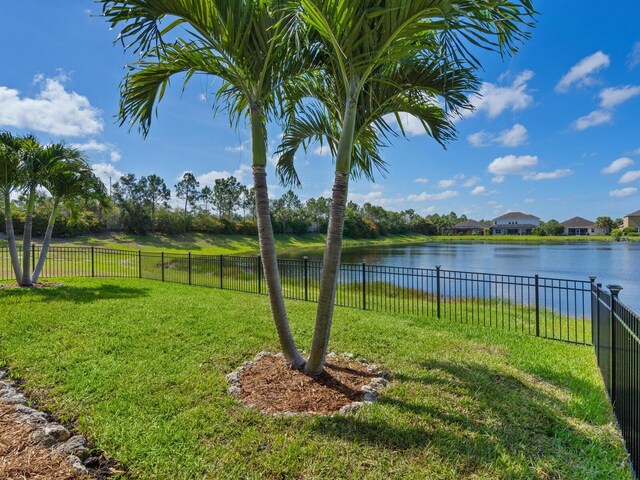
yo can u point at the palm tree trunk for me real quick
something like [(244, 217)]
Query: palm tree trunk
[(26, 240), (333, 246), (46, 242), (267, 243), (11, 238)]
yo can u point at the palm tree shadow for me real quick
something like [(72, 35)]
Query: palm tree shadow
[(81, 295), (469, 415)]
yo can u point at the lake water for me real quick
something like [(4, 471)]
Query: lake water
[(615, 262)]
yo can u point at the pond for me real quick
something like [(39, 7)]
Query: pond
[(611, 262)]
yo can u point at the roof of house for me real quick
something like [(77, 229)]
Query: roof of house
[(516, 216), (469, 224), (577, 222), (634, 214)]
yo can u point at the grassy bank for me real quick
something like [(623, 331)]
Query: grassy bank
[(140, 365), (238, 244)]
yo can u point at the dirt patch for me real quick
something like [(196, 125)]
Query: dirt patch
[(35, 285), (19, 459), (268, 384)]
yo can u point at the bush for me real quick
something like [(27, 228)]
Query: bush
[(616, 233), (628, 231)]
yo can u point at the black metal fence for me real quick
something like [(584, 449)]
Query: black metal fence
[(551, 308), (616, 340)]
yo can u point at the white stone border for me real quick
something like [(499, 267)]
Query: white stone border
[(48, 433), (371, 391)]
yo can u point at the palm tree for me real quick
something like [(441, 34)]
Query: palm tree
[(240, 43), (10, 181), (386, 57), (70, 181)]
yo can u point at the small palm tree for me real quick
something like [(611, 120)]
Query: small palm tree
[(386, 57), (10, 181), (239, 42), (70, 182)]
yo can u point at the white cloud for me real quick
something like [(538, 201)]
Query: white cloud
[(623, 192), (471, 182), (597, 117), (91, 146), (514, 136), (480, 139), (115, 156), (53, 110), (617, 165), (512, 165), (104, 171), (529, 200), (480, 190), (322, 150), (210, 178), (433, 196), (446, 183), (630, 177), (636, 152), (614, 96), (237, 148), (511, 137), (375, 197), (494, 99), (498, 179), (421, 180), (634, 56), (581, 73), (559, 173)]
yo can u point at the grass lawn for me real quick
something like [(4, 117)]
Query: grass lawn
[(140, 366)]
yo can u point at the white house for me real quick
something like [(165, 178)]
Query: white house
[(514, 223), (578, 226)]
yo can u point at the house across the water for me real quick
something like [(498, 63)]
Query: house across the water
[(515, 223), (632, 220), (469, 227), (578, 226)]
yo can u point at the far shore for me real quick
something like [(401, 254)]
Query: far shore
[(248, 245)]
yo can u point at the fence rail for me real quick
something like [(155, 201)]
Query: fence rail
[(573, 311)]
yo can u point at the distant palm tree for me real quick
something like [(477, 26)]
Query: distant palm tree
[(10, 181), (70, 181), (239, 42), (381, 58)]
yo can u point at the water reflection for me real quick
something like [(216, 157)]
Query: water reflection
[(610, 262)]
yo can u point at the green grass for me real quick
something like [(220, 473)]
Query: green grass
[(140, 366)]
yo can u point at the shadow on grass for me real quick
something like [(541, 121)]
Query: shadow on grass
[(80, 295), (471, 416)]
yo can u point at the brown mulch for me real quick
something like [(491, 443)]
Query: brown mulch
[(273, 387), (21, 460), (35, 285)]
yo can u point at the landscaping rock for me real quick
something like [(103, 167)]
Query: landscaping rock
[(233, 378), (76, 445), (12, 397), (352, 407), (57, 431), (3, 373), (77, 465), (261, 355), (369, 397), (233, 390), (30, 415), (39, 437), (92, 462)]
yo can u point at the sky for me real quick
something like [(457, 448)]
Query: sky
[(556, 132)]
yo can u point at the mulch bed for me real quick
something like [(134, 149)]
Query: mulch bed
[(35, 285), (21, 460), (271, 386)]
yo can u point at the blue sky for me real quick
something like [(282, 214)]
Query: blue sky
[(556, 134)]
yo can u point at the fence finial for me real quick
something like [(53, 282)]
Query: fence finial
[(614, 289), (592, 278)]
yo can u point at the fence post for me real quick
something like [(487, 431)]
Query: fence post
[(599, 289), (595, 315), (364, 286), (306, 278), (259, 260), (615, 290), (221, 259), (139, 263), (438, 289), (93, 262), (162, 255), (189, 268), (537, 295)]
